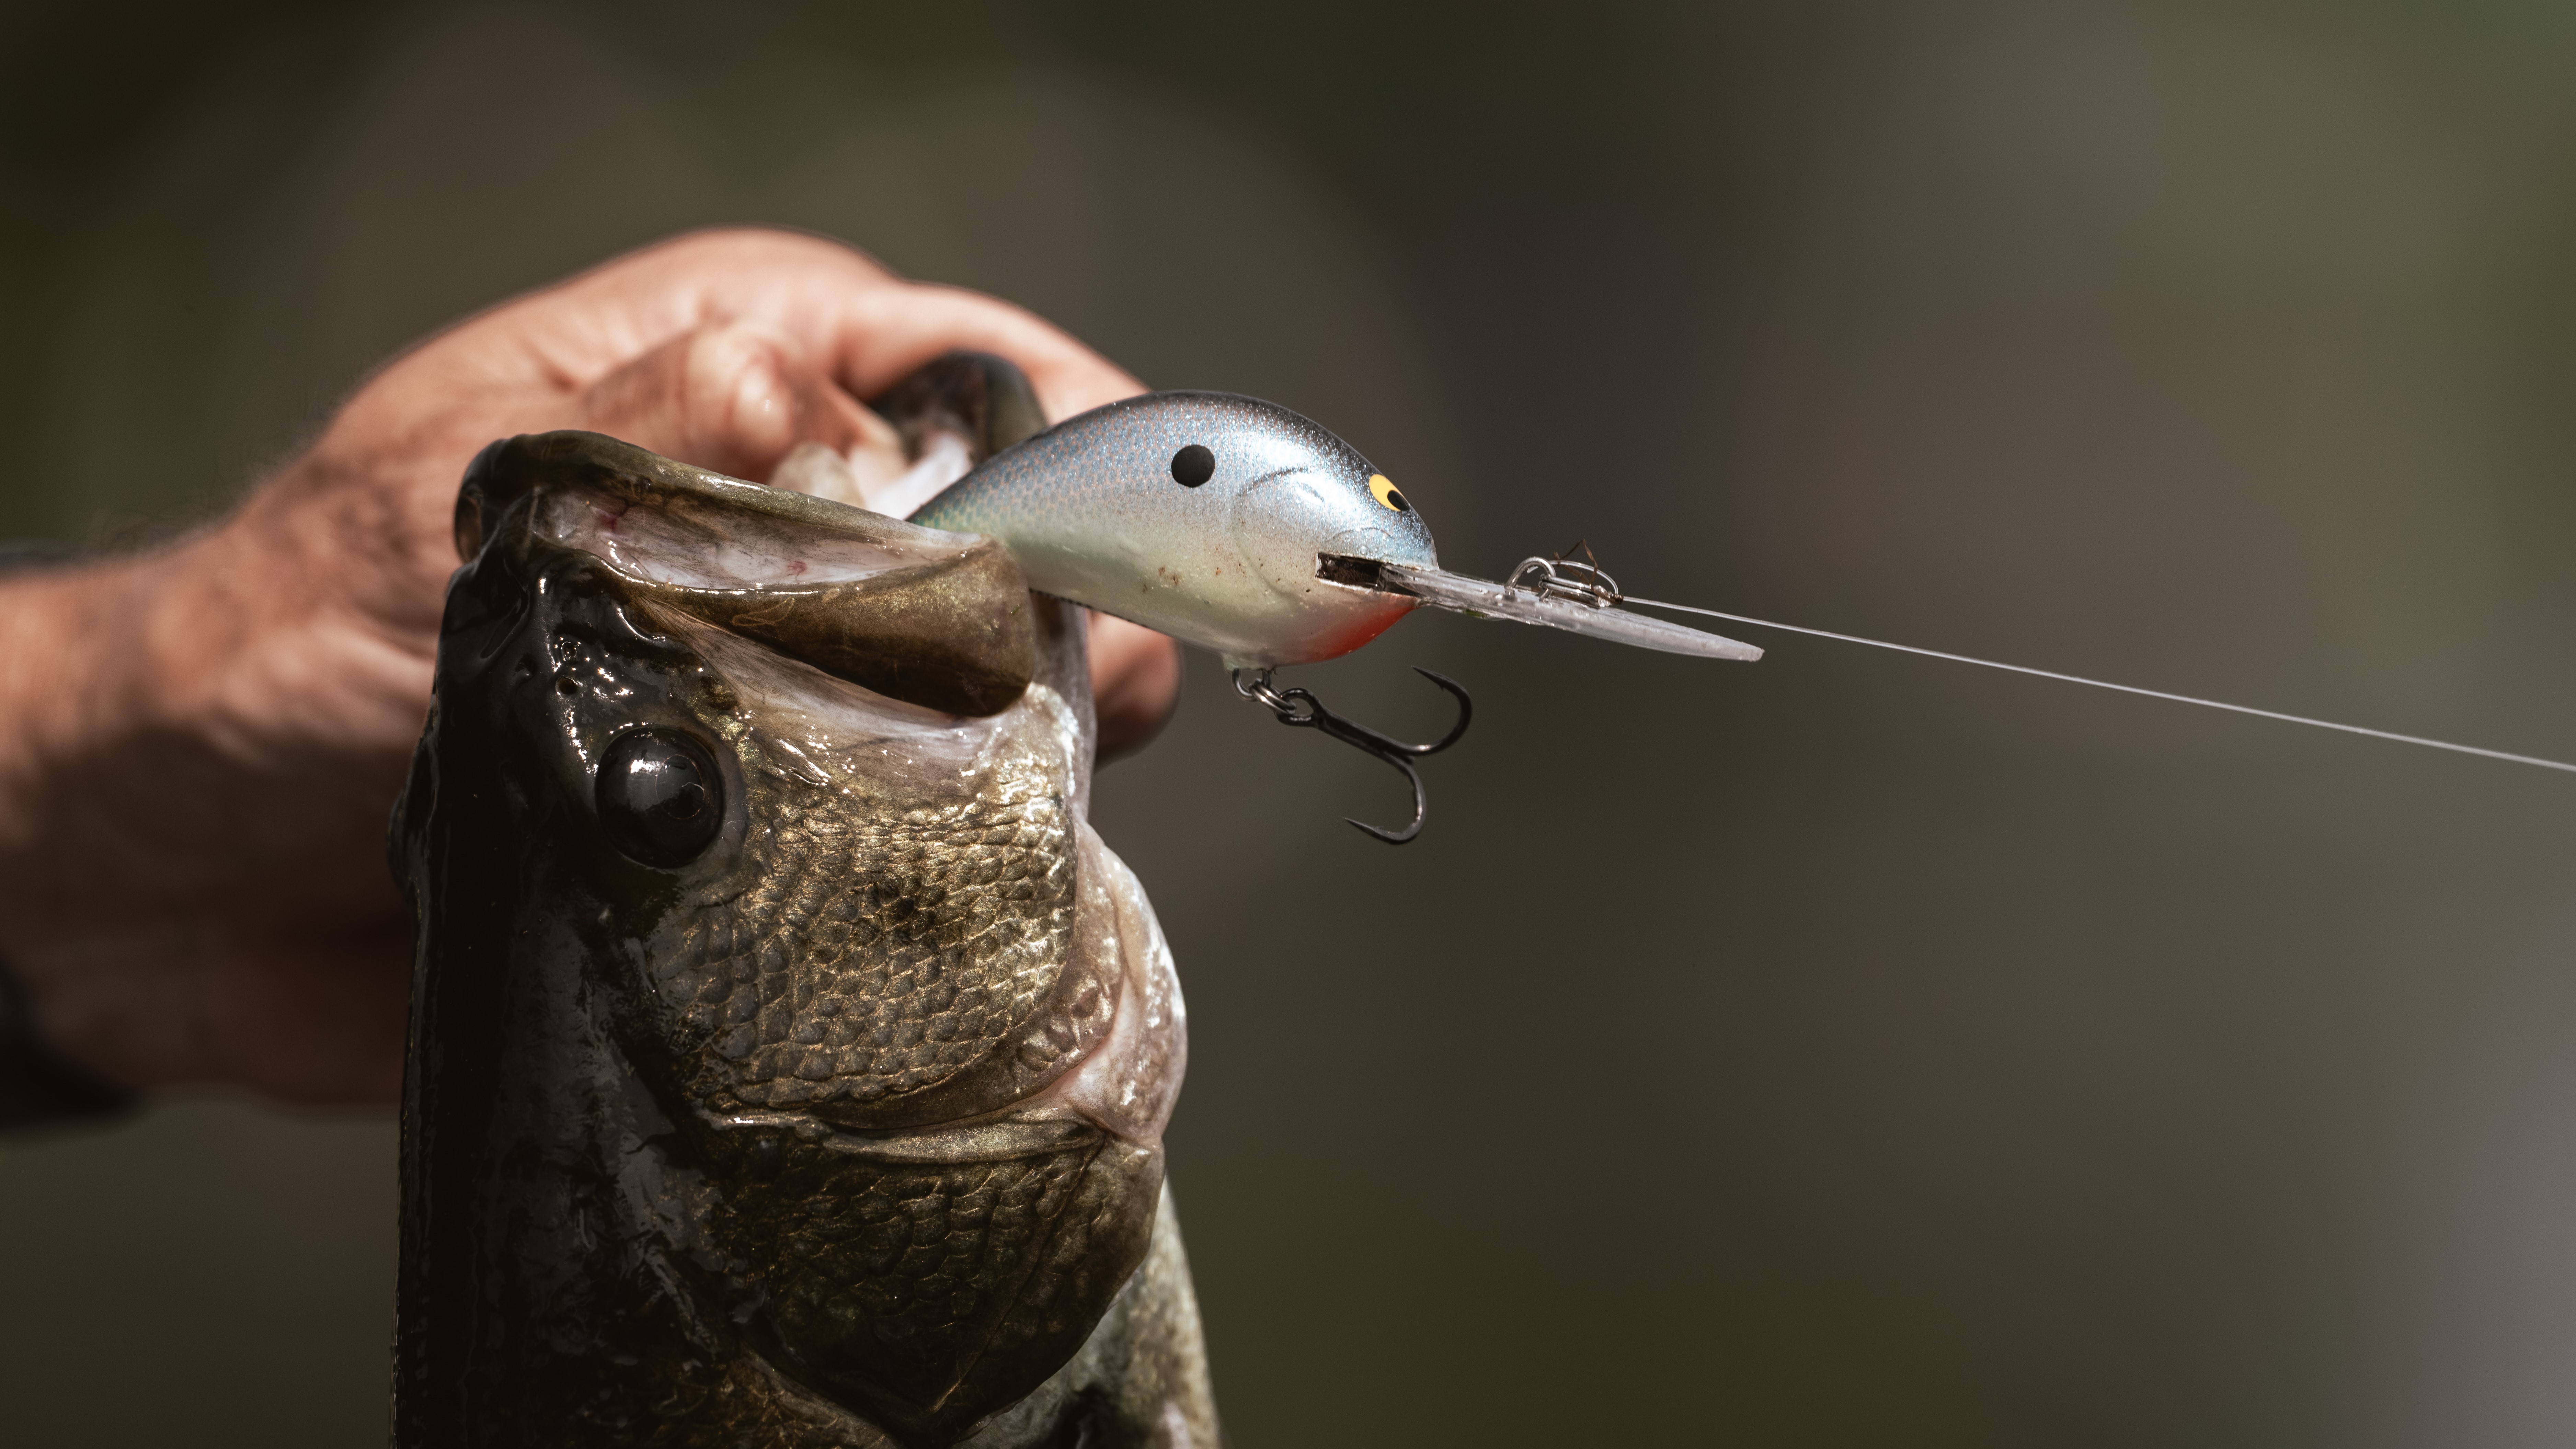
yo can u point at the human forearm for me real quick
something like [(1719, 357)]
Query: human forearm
[(69, 639), (194, 752)]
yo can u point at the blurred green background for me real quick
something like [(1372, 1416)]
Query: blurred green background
[(1847, 1049)]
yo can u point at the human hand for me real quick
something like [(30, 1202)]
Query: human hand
[(199, 746)]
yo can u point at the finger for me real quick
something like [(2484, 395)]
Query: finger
[(578, 329), (734, 397), (1135, 683), (868, 327), (862, 324), (856, 321), (885, 333)]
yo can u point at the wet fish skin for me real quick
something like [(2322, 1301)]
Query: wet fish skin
[(845, 1132)]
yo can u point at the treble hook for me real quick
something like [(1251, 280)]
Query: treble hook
[(1301, 708)]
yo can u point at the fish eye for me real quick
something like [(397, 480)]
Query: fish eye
[(1193, 466), (660, 797), (1384, 492)]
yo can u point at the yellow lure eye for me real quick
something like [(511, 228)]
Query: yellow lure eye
[(1384, 492)]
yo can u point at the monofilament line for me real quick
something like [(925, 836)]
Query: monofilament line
[(2323, 724)]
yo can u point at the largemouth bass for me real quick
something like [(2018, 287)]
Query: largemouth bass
[(789, 1058)]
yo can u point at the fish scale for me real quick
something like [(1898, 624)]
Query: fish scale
[(932, 969)]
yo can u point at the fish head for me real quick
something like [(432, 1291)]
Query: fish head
[(774, 811)]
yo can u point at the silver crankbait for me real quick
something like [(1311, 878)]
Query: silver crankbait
[(1245, 528)]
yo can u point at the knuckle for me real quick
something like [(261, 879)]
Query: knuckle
[(727, 366), (741, 390)]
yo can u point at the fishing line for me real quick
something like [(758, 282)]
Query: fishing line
[(2323, 724)]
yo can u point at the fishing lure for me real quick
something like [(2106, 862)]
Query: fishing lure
[(1240, 526)]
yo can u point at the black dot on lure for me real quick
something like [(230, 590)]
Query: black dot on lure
[(1193, 466), (659, 797)]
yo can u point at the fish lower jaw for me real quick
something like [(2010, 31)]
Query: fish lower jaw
[(1114, 1085), (1018, 1133)]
